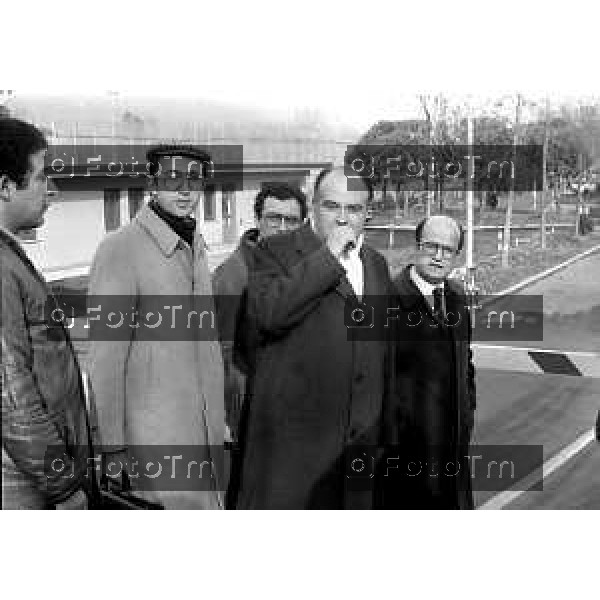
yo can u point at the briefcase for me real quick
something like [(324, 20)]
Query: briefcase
[(110, 495)]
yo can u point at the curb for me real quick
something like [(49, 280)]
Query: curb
[(539, 276)]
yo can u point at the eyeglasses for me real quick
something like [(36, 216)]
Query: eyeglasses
[(353, 210), (175, 181), (275, 220), (431, 248)]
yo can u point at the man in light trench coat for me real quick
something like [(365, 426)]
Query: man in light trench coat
[(166, 391)]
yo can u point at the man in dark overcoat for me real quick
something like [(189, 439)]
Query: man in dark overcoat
[(431, 418), (312, 393)]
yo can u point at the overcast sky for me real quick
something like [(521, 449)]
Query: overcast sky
[(358, 62)]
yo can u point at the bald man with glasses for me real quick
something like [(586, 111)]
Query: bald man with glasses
[(434, 376)]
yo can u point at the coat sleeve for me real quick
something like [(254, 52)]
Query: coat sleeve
[(112, 274), (28, 432), (229, 284), (280, 295)]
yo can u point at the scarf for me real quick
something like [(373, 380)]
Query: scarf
[(184, 227)]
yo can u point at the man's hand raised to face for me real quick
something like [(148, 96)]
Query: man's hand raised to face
[(342, 238)]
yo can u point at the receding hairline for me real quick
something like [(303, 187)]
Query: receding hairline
[(337, 172), (458, 230), (439, 219)]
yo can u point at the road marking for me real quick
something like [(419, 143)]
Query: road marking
[(505, 498), (536, 360), (528, 349), (556, 363)]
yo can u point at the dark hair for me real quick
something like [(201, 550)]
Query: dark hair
[(421, 225), (321, 176), (18, 142), (157, 152), (281, 191)]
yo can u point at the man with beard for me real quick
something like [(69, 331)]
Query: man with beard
[(313, 394), (160, 391)]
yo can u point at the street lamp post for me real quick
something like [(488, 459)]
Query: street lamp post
[(470, 287)]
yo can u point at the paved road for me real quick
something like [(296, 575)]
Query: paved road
[(551, 410), (548, 410), (575, 486), (571, 300)]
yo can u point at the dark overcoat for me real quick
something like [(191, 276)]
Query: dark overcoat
[(312, 394), (230, 280), (431, 415)]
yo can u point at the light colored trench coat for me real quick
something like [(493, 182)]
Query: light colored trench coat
[(157, 392)]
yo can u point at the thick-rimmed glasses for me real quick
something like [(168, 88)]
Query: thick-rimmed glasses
[(276, 220), (433, 249), (349, 210)]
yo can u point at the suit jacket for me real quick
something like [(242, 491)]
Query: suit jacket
[(311, 392), (431, 416)]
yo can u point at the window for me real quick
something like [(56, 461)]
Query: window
[(228, 213), (136, 200), (112, 209), (227, 199), (210, 205)]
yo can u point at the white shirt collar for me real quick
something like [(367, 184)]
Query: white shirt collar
[(359, 242), (425, 287), (354, 267)]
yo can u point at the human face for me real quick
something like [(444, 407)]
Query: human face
[(29, 202), (336, 206), (178, 187), (437, 253), (279, 216)]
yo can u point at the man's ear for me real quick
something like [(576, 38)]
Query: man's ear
[(7, 187)]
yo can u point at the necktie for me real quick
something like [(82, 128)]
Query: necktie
[(439, 303)]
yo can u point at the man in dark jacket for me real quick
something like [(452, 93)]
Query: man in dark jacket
[(44, 434), (312, 393), (434, 378), (278, 207)]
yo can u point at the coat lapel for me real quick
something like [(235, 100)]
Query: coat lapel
[(411, 297), (373, 280), (345, 290), (162, 234)]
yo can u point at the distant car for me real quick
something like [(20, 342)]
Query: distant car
[(370, 215)]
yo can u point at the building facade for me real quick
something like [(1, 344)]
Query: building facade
[(80, 215)]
